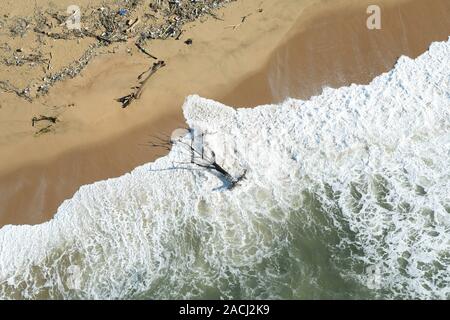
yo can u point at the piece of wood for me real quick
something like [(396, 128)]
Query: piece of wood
[(43, 118), (133, 24), (145, 51), (136, 94)]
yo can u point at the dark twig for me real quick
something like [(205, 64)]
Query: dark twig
[(145, 51)]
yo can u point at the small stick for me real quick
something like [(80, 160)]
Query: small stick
[(245, 17), (145, 51), (49, 61), (235, 26)]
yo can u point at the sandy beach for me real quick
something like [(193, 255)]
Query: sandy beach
[(314, 164), (285, 48)]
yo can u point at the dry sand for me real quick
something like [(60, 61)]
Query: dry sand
[(291, 48)]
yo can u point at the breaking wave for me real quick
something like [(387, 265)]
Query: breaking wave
[(346, 195)]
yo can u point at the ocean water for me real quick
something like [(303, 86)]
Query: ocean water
[(346, 195)]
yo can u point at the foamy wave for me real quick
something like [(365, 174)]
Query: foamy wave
[(346, 195)]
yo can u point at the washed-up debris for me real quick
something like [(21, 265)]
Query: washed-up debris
[(22, 93), (19, 58), (136, 94), (123, 12), (188, 41), (68, 72), (132, 24), (49, 123), (5, 47), (145, 51), (176, 15), (133, 21), (43, 118), (44, 130), (19, 27)]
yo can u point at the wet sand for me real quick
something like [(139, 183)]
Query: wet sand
[(274, 54), (330, 49)]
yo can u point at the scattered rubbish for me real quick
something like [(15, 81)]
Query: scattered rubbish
[(18, 58), (70, 71), (120, 22), (19, 27), (176, 14), (8, 87)]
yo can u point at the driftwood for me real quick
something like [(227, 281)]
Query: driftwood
[(132, 24), (136, 94), (43, 118), (47, 128), (138, 45)]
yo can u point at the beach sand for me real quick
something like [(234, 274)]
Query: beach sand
[(290, 48)]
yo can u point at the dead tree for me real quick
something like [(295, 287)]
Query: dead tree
[(201, 157)]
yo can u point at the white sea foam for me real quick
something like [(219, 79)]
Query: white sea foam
[(354, 180)]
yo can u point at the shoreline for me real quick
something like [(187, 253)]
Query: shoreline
[(341, 61), (89, 132), (119, 152)]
